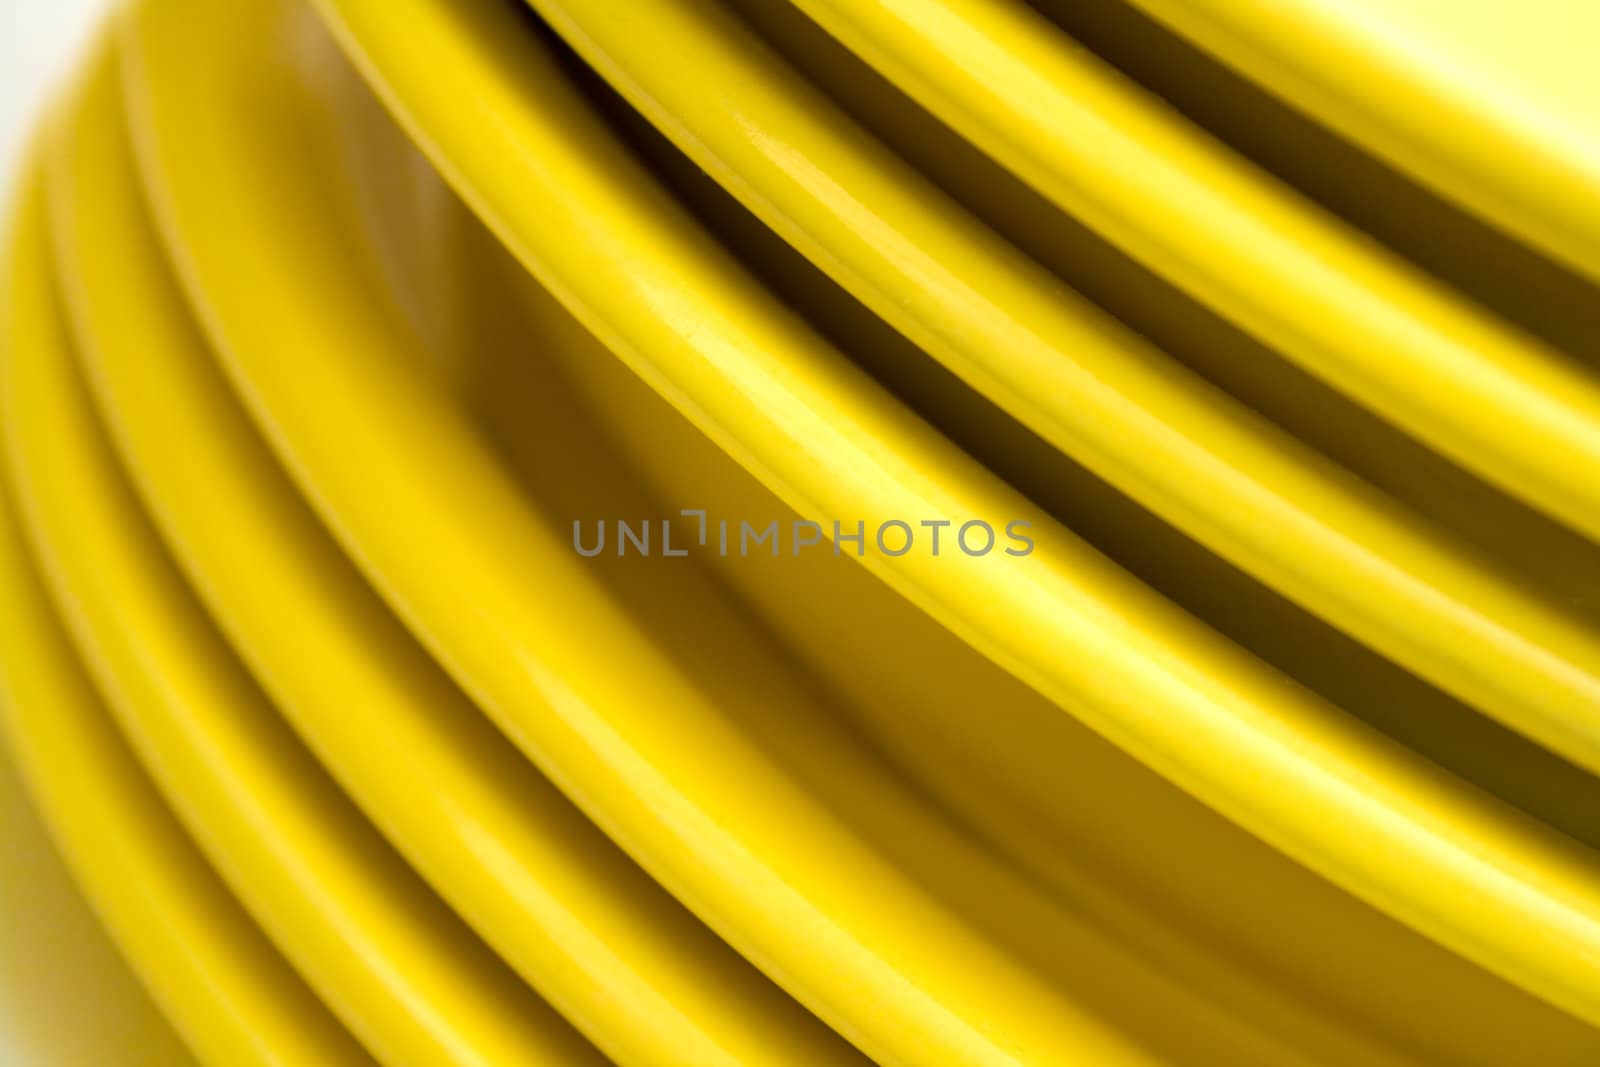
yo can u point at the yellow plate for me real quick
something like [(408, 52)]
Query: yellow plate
[(1249, 742), (644, 979), (221, 983), (376, 422), (730, 785), (598, 232), (385, 954)]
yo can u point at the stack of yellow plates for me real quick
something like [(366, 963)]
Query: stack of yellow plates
[(700, 532)]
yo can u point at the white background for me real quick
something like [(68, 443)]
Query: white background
[(38, 40)]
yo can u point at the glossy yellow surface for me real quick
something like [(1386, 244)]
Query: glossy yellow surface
[(1251, 248), (1088, 384), (1246, 740), (382, 951), (220, 981), (1493, 108), (543, 886), (707, 802), (324, 323)]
